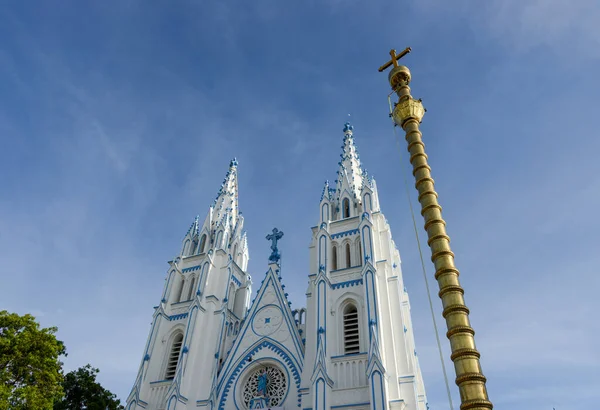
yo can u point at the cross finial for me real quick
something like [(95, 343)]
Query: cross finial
[(274, 237), (395, 58)]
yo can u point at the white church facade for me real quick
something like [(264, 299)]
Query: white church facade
[(350, 348)]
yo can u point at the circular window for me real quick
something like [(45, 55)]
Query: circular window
[(276, 386)]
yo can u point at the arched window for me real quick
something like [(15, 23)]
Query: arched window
[(186, 249), (231, 296), (174, 357), (194, 247), (334, 264), (346, 208), (202, 243), (180, 296), (351, 339), (325, 213), (348, 255), (191, 290), (240, 301), (359, 251), (234, 256), (367, 202), (177, 288), (218, 241)]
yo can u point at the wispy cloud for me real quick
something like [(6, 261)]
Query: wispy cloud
[(118, 132)]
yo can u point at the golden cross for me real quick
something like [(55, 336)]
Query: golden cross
[(395, 58)]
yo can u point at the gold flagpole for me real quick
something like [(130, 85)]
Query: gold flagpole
[(408, 113)]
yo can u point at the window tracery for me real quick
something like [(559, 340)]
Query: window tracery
[(276, 386)]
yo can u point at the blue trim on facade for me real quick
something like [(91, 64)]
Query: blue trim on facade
[(347, 284), (267, 320), (380, 377), (351, 267), (243, 363), (191, 269), (348, 355), (180, 303), (345, 233), (288, 377), (161, 381), (322, 382), (323, 246), (250, 317), (177, 317), (164, 296), (374, 296), (370, 202), (368, 300), (343, 406), (235, 280)]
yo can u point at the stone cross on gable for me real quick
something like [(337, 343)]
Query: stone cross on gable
[(274, 237)]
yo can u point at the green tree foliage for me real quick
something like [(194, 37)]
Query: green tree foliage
[(30, 372), (82, 391)]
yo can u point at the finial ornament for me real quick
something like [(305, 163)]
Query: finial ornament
[(395, 58), (399, 75), (407, 109), (348, 127), (274, 237)]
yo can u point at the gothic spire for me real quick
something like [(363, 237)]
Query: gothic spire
[(350, 172), (325, 193), (226, 203)]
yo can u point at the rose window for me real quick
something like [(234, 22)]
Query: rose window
[(276, 386)]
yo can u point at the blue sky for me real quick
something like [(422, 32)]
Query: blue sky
[(118, 120)]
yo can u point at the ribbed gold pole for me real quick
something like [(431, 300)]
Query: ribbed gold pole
[(408, 113)]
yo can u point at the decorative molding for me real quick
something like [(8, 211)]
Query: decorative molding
[(345, 233), (347, 284), (177, 317), (245, 361), (191, 269), (350, 355)]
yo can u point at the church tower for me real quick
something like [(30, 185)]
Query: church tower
[(352, 347), (206, 295), (360, 351)]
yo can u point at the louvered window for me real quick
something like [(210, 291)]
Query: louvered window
[(174, 357), (351, 339)]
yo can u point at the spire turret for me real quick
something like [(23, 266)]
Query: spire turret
[(325, 193), (226, 203), (349, 176)]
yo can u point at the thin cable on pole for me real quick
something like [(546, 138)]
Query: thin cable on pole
[(412, 213)]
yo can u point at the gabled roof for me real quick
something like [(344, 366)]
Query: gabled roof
[(268, 324)]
